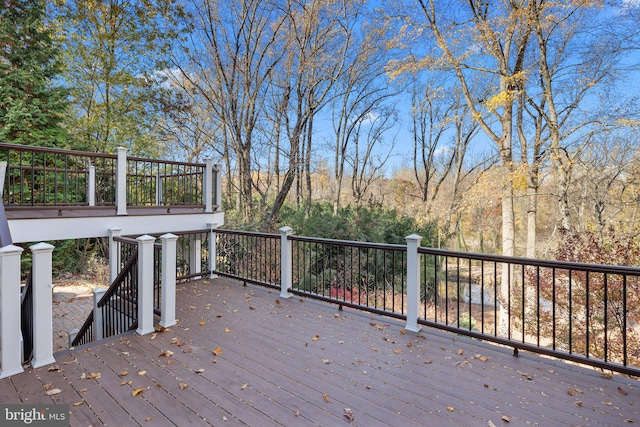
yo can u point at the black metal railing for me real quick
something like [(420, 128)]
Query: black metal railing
[(585, 313), (248, 256), (26, 318), (580, 312), (118, 305), (363, 275), (52, 178)]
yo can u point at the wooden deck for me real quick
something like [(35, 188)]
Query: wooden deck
[(244, 356)]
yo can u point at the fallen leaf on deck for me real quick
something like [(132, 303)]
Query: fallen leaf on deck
[(169, 361), (183, 385), (325, 397), (159, 328), (95, 375), (68, 362), (622, 391), (126, 353), (124, 373), (137, 392), (327, 361), (78, 403), (277, 301), (410, 345), (315, 338), (217, 351), (297, 413), (607, 403), (481, 357), (578, 403), (450, 408), (148, 419), (571, 392), (123, 383), (53, 391), (349, 414), (179, 343), (251, 307), (202, 323), (199, 371), (244, 386), (460, 351), (53, 368), (153, 336), (47, 386), (379, 327), (187, 350), (397, 350), (606, 375), (83, 390), (167, 353), (141, 373), (526, 375), (628, 420), (491, 424), (227, 330), (403, 331), (506, 419)]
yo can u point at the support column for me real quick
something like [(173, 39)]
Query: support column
[(413, 283), (145, 284), (286, 262), (42, 305), (121, 181), (11, 359), (168, 280), (212, 249), (114, 254), (195, 255), (159, 200)]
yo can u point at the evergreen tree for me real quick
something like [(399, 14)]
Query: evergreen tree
[(31, 107)]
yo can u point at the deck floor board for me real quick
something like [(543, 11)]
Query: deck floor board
[(280, 358)]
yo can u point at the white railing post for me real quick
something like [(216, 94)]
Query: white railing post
[(195, 254), (114, 254), (208, 186), (91, 186), (121, 181), (212, 249), (286, 262), (98, 323), (42, 305), (168, 280), (413, 283), (218, 187), (159, 200), (11, 359), (145, 284), (3, 170)]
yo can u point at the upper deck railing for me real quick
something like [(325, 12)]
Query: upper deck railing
[(47, 178)]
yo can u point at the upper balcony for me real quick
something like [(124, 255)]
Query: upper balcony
[(88, 193)]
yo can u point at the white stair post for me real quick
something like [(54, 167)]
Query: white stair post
[(145, 284), (413, 283), (10, 336), (98, 321), (42, 305), (195, 254), (114, 254), (212, 249), (168, 280), (121, 181), (286, 262)]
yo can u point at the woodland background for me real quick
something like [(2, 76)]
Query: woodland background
[(495, 126)]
